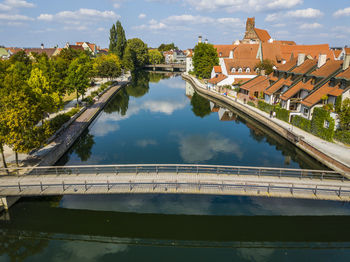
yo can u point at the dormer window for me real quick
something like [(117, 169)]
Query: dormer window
[(233, 70), (247, 70), (220, 54), (332, 82), (343, 84), (313, 81), (304, 79), (285, 75), (240, 70), (257, 70)]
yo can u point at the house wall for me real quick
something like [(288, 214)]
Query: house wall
[(303, 94), (267, 98), (346, 94), (189, 64)]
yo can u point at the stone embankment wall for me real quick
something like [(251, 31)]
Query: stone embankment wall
[(282, 131)]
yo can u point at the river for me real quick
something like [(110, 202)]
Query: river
[(159, 118)]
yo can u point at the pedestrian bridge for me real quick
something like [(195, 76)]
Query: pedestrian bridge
[(167, 67), (174, 179)]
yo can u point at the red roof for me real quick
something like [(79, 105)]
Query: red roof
[(217, 79), (328, 68), (317, 95), (305, 67), (224, 50), (278, 85), (344, 74), (257, 84), (217, 69), (263, 35)]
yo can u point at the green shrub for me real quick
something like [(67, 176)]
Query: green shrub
[(94, 93), (282, 114), (89, 100), (342, 136), (302, 123), (73, 111), (317, 124), (250, 103)]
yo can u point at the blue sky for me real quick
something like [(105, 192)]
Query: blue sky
[(28, 23)]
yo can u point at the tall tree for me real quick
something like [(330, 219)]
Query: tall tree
[(79, 73), (121, 40), (136, 54), (204, 58), (155, 57), (167, 47), (113, 39)]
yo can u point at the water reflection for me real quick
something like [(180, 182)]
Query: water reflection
[(200, 105), (193, 150)]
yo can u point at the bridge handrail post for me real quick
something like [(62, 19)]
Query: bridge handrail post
[(19, 186), (85, 186), (322, 174), (268, 188), (339, 193), (177, 169), (292, 189), (41, 186), (316, 190), (63, 186), (107, 185)]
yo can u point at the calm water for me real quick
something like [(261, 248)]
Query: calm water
[(159, 119)]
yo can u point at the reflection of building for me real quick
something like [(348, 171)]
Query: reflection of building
[(189, 90), (226, 115)]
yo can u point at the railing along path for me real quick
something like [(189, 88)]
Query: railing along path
[(173, 178)]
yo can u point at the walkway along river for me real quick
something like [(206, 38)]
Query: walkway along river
[(154, 121)]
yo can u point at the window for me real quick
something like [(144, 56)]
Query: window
[(304, 79), (240, 70), (233, 70), (220, 54), (332, 82), (247, 70), (313, 82), (306, 111)]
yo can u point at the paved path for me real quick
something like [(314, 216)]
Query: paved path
[(338, 152)]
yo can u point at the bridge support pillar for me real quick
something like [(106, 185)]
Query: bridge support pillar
[(7, 202)]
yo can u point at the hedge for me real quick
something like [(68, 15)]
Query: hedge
[(281, 113), (342, 136), (250, 103), (302, 123), (317, 124)]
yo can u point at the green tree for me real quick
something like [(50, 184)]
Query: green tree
[(266, 65), (107, 66), (48, 101), (155, 57), (121, 40), (167, 47), (58, 74), (200, 106), (84, 146), (204, 58), (78, 77), (113, 39), (136, 54)]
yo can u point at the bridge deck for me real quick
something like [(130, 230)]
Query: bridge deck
[(176, 179)]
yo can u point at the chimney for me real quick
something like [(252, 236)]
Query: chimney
[(301, 59), (42, 46), (322, 59), (231, 54), (199, 39), (346, 62), (206, 41)]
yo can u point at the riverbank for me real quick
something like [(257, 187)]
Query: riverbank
[(334, 156), (51, 153)]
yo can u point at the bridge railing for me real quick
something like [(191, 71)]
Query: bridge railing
[(172, 168)]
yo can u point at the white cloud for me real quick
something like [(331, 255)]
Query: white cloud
[(310, 26), (243, 5), (142, 16), (13, 4), (342, 12), (146, 142), (199, 148), (79, 16), (4, 7), (279, 25), (272, 17), (15, 17), (189, 18), (305, 13)]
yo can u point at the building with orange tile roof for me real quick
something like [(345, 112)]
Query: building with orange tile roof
[(254, 87), (253, 34), (88, 46)]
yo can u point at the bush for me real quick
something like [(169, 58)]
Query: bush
[(317, 124), (281, 113), (342, 136), (302, 123), (89, 100), (250, 103)]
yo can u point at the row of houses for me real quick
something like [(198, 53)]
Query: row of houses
[(304, 76), (7, 52), (302, 84)]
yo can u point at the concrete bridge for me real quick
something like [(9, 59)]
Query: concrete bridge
[(174, 179), (167, 67)]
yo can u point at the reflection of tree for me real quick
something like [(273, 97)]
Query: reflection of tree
[(156, 77), (22, 245), (83, 146), (200, 105), (119, 103), (139, 85)]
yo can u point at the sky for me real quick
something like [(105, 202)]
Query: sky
[(25, 23)]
